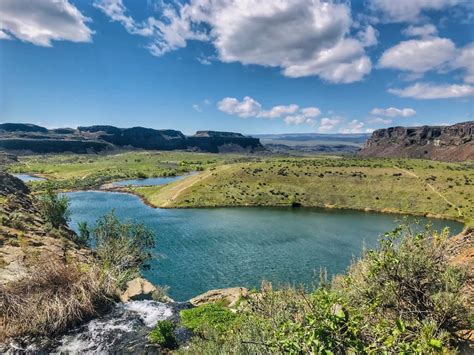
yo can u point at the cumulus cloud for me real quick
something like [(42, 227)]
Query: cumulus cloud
[(408, 10), (302, 37), (419, 56), (465, 60), (420, 31), (246, 108), (310, 111), (393, 112), (298, 119), (355, 126), (434, 91), (292, 114), (327, 124), (40, 22), (278, 111), (368, 37)]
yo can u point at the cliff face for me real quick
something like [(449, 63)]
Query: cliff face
[(22, 137), (446, 143)]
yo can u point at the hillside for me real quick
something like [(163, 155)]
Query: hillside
[(389, 185), (445, 143), (18, 137)]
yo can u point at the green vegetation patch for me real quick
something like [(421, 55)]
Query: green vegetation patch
[(209, 316), (163, 334)]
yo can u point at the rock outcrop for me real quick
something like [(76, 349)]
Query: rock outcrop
[(229, 296), (445, 143), (25, 137), (24, 238), (138, 289)]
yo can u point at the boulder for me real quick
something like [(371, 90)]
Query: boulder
[(138, 289), (230, 296)]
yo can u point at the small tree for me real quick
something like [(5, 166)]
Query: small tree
[(54, 208), (123, 248)]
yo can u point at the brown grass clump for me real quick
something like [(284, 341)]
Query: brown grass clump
[(53, 297)]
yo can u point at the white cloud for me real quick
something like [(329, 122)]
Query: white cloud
[(327, 124), (249, 107), (302, 37), (465, 60), (197, 108), (393, 112), (279, 111), (419, 56), (40, 22), (368, 37), (246, 108), (434, 91), (420, 31), (379, 120), (4, 35), (355, 126), (408, 10), (298, 119), (310, 111)]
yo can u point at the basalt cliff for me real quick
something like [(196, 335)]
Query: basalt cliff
[(445, 143), (18, 138)]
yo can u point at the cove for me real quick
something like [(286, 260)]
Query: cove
[(202, 249)]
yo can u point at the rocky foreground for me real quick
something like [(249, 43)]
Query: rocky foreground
[(445, 143)]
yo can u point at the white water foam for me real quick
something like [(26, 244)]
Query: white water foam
[(150, 311)]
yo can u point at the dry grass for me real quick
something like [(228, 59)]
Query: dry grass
[(53, 297)]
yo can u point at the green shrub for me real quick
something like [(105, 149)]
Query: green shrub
[(209, 316), (163, 334), (123, 248), (54, 208)]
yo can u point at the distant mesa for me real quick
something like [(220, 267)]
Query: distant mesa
[(445, 143), (17, 137)]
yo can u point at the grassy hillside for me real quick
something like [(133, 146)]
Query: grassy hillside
[(78, 171), (406, 186), (388, 185)]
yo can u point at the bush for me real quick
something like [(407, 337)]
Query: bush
[(122, 248), (53, 297), (212, 315), (163, 334), (54, 208), (408, 285)]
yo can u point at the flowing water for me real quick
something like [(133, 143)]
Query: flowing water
[(202, 249)]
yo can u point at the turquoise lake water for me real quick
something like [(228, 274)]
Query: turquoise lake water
[(202, 249)]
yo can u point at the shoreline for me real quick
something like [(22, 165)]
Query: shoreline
[(146, 202)]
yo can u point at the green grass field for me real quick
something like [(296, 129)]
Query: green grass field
[(418, 187), (388, 185), (74, 171)]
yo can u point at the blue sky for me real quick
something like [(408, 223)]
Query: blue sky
[(237, 65)]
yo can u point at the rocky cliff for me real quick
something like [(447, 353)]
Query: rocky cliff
[(26, 137), (446, 143)]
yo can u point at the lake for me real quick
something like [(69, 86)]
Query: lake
[(202, 249), (154, 181)]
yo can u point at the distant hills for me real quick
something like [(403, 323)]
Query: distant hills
[(296, 143), (446, 143), (18, 137)]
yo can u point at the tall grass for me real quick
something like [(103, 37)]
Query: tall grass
[(53, 297)]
